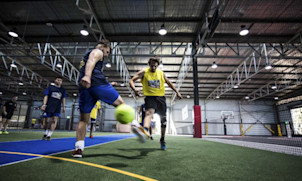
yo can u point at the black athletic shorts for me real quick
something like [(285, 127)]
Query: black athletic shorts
[(8, 116), (158, 103)]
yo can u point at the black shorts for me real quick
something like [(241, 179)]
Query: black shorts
[(158, 103), (8, 116), (93, 121)]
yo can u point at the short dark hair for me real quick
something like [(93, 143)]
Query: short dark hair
[(105, 43), (153, 59), (59, 77)]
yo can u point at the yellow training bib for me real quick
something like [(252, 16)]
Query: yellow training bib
[(153, 83)]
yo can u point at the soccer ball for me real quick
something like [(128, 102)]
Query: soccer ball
[(124, 114)]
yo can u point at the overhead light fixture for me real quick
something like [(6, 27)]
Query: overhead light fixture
[(20, 82), (108, 65), (244, 31), (1, 93), (188, 96), (247, 97), (162, 30), (59, 64), (13, 33), (24, 93), (214, 65), (130, 95), (268, 66), (236, 86), (274, 87), (13, 65), (75, 94), (122, 84), (52, 84), (84, 31), (276, 98), (217, 97)]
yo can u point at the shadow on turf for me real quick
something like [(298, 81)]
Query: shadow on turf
[(143, 152)]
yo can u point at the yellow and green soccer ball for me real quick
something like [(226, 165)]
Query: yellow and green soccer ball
[(124, 114)]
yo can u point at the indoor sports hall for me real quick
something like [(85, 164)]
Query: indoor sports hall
[(228, 72)]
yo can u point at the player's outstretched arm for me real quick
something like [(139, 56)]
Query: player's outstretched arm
[(172, 87), (137, 76)]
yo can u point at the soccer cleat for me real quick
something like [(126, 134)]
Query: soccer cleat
[(142, 134), (48, 138), (44, 137), (77, 153), (90, 136), (5, 132), (163, 145), (151, 137)]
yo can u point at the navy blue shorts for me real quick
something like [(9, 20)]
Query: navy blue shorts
[(49, 115), (88, 97)]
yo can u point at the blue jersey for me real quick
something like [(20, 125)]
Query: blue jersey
[(97, 76), (55, 95)]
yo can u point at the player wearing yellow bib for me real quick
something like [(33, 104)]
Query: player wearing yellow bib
[(95, 112), (153, 81)]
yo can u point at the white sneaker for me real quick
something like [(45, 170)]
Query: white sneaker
[(142, 134)]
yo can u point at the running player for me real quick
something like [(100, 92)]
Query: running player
[(7, 113), (153, 80), (54, 96)]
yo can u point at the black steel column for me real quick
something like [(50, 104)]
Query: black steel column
[(195, 74)]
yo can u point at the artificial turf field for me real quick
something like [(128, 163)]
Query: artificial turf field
[(185, 159)]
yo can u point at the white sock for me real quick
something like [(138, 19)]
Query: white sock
[(46, 132), (49, 133), (80, 145)]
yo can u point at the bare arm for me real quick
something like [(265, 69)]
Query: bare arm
[(94, 57), (99, 113), (63, 104), (4, 110), (172, 87), (137, 76), (44, 102)]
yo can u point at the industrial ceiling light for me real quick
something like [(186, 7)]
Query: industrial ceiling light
[(130, 95), (13, 33), (268, 66), (236, 86), (217, 97), (274, 87), (1, 93), (162, 30), (276, 98), (59, 64), (20, 82), (244, 31), (122, 84), (84, 31), (214, 65), (247, 97), (188, 96), (52, 84), (13, 65), (24, 93), (75, 94)]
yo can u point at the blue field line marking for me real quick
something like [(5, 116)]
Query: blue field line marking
[(49, 147)]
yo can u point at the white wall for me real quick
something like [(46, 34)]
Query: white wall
[(211, 112)]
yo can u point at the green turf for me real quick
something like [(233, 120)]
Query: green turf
[(185, 159)]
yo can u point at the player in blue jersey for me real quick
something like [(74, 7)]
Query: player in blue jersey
[(54, 96), (93, 86)]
